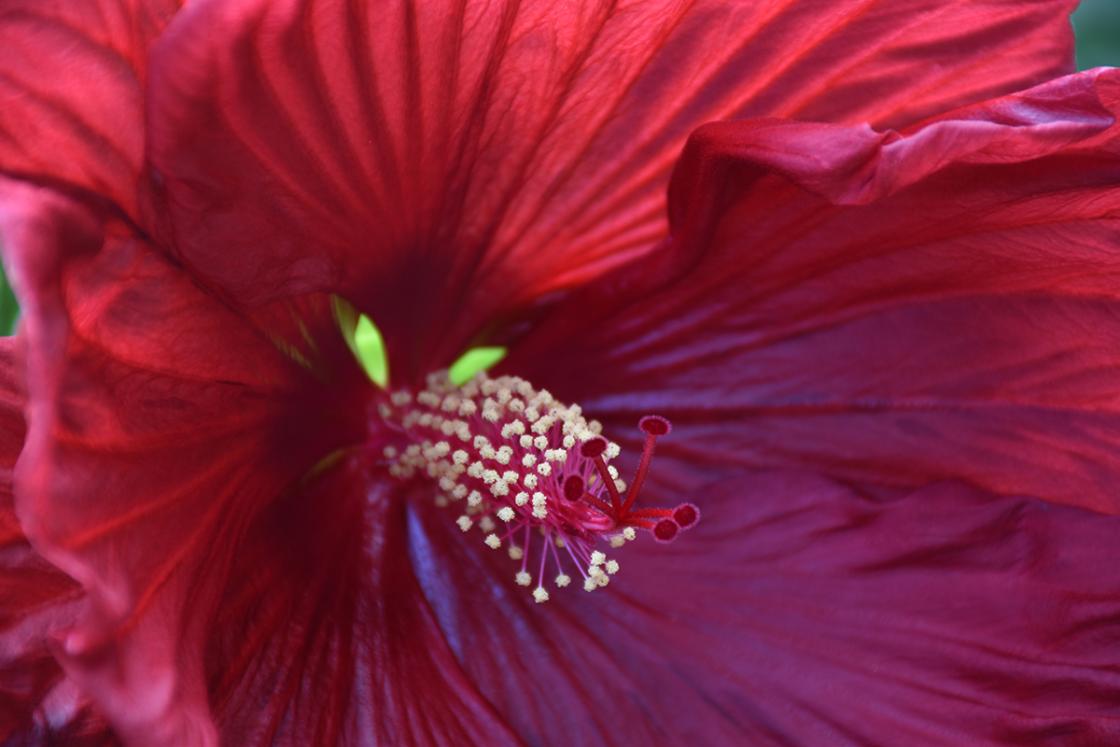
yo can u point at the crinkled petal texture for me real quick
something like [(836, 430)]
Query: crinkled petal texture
[(243, 595), (37, 704), (442, 163), (194, 453), (72, 79), (801, 612), (885, 308), (162, 426), (196, 471)]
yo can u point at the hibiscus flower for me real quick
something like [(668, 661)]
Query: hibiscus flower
[(886, 351)]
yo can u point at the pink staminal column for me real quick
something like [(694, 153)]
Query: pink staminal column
[(508, 455)]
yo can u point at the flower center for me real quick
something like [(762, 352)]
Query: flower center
[(530, 473)]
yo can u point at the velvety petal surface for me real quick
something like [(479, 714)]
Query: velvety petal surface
[(801, 612), (323, 636), (72, 78), (885, 308), (196, 471), (443, 163), (161, 427)]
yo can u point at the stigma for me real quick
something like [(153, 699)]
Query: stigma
[(530, 475)]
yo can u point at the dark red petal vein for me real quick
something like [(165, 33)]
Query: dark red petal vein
[(324, 637), (441, 164), (162, 425), (886, 308), (801, 612), (72, 78)]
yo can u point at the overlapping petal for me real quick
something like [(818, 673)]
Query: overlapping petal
[(442, 163), (161, 426), (37, 704), (324, 637), (249, 582), (72, 82), (802, 612), (245, 583), (886, 308)]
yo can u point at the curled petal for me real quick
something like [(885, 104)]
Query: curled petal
[(161, 426), (37, 704), (888, 308)]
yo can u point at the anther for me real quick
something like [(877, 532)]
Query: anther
[(525, 484)]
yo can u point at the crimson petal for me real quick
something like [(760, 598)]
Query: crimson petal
[(802, 612), (37, 704), (442, 163), (162, 425), (323, 636), (186, 467), (887, 308), (72, 79)]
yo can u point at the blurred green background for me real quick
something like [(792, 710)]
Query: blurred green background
[(1096, 22)]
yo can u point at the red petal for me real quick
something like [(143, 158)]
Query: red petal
[(162, 425), (171, 467), (800, 612), (323, 636), (440, 164), (37, 706), (72, 77), (884, 308)]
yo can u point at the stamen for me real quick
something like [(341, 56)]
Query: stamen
[(510, 452), (593, 450)]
